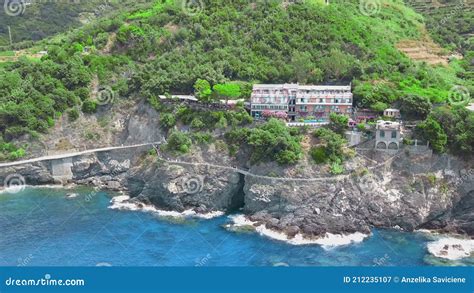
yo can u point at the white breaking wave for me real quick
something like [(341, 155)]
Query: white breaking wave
[(451, 248), (15, 189), (327, 242), (123, 202)]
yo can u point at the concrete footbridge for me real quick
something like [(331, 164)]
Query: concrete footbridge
[(75, 154)]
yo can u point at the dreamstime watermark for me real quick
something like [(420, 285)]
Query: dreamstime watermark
[(192, 184), (457, 9), (18, 7), (381, 261), (100, 9), (377, 88), (459, 96), (203, 261), (23, 262), (105, 95), (370, 7), (15, 7), (466, 174), (88, 197), (367, 182), (192, 7), (47, 280), (14, 183)]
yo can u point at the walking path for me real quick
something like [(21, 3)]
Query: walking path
[(233, 169), (247, 173), (74, 154)]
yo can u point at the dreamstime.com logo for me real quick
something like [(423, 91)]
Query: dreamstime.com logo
[(105, 95), (14, 183), (459, 96), (44, 281), (192, 184), (370, 7), (192, 7), (15, 7), (18, 7)]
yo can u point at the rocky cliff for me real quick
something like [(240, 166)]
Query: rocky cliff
[(406, 191)]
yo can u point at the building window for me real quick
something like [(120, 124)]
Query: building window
[(394, 134), (382, 133)]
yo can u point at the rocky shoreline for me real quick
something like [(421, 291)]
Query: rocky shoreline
[(407, 192)]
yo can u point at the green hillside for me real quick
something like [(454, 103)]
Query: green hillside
[(450, 22), (42, 19), (163, 48)]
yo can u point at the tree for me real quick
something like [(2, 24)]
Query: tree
[(197, 123), (178, 141), (167, 120), (379, 106), (89, 106), (202, 90), (273, 141), (432, 131), (333, 144), (339, 123), (73, 114), (318, 154), (414, 106), (337, 64), (302, 65), (457, 123), (227, 90)]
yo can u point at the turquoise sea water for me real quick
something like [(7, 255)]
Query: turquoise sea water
[(40, 227)]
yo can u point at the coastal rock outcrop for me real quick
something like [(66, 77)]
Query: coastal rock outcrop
[(406, 193), (175, 186)]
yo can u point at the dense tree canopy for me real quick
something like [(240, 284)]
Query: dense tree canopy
[(220, 52)]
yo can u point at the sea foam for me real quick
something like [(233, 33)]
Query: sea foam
[(451, 248), (16, 189), (123, 202), (328, 241)]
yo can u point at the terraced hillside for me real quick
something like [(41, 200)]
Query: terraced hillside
[(450, 22)]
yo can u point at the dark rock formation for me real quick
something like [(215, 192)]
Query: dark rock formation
[(406, 193)]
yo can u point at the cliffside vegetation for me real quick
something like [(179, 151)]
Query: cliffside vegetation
[(220, 49), (449, 22), (42, 19)]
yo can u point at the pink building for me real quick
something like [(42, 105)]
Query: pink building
[(312, 102)]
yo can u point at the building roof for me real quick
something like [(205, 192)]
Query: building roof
[(392, 110), (325, 87), (297, 86), (276, 86), (390, 125), (232, 102), (470, 107), (180, 97)]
